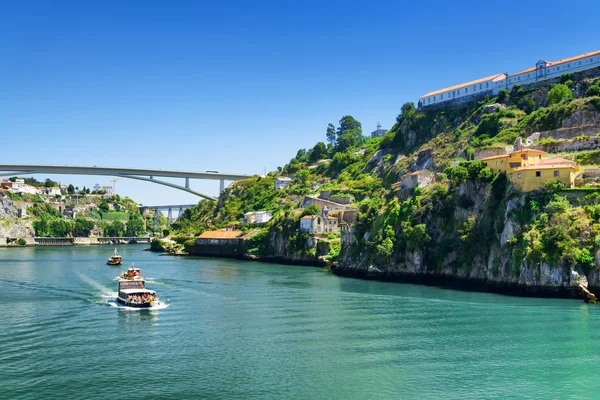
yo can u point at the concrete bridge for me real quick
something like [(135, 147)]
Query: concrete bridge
[(168, 208), (147, 175)]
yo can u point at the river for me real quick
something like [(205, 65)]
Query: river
[(247, 330)]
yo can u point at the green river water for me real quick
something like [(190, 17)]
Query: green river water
[(248, 330)]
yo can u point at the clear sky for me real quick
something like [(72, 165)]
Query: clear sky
[(240, 86)]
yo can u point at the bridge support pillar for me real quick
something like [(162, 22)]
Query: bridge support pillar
[(180, 212), (170, 216), (222, 186), (156, 219), (187, 183)]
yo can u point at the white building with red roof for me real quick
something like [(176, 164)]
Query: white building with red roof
[(492, 84)]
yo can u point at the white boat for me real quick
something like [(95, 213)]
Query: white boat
[(132, 291)]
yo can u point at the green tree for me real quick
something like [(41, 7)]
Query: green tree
[(331, 134), (71, 189), (82, 227), (318, 152), (559, 93), (502, 95), (103, 205), (349, 138), (348, 123), (406, 111), (527, 104), (593, 91), (50, 183), (135, 226), (115, 229)]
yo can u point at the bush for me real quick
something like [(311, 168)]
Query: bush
[(527, 104), (486, 175), (502, 94), (559, 93), (21, 242), (564, 78), (593, 91)]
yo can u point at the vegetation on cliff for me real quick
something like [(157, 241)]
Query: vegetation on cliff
[(469, 222)]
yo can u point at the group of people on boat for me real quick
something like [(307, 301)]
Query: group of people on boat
[(143, 298), (131, 273)]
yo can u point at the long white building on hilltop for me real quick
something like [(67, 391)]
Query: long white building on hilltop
[(492, 84)]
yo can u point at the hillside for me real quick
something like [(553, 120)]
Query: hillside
[(469, 226), (31, 208)]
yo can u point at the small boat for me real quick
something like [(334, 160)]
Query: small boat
[(132, 291), (115, 259)]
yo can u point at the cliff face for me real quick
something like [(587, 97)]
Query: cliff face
[(466, 259)]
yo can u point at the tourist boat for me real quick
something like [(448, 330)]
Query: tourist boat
[(133, 292), (115, 259)]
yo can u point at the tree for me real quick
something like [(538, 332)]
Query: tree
[(331, 134), (318, 152), (406, 110), (348, 138), (593, 91), (71, 189), (348, 123), (527, 104), (82, 227), (559, 93), (103, 205), (50, 183), (135, 226), (115, 229), (502, 95)]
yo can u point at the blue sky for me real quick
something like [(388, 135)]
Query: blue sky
[(239, 86)]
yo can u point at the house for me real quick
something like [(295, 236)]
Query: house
[(282, 182), (516, 159), (220, 237), (492, 84), (257, 217), (530, 169), (222, 242), (19, 186), (320, 223), (311, 224), (414, 179), (49, 191), (379, 132)]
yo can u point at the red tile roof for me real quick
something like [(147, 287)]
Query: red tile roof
[(221, 234)]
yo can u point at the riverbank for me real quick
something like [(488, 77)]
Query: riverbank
[(440, 281), (70, 241), (467, 284)]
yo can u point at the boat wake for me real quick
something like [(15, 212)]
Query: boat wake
[(160, 306)]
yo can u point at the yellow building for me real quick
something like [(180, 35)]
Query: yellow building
[(516, 159), (530, 169)]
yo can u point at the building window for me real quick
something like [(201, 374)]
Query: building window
[(487, 84), (442, 96), (474, 88), (557, 173), (538, 174), (579, 62), (480, 86), (433, 98), (515, 164), (466, 90)]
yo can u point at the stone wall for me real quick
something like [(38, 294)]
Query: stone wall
[(568, 133), (569, 145), (491, 151), (458, 101)]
